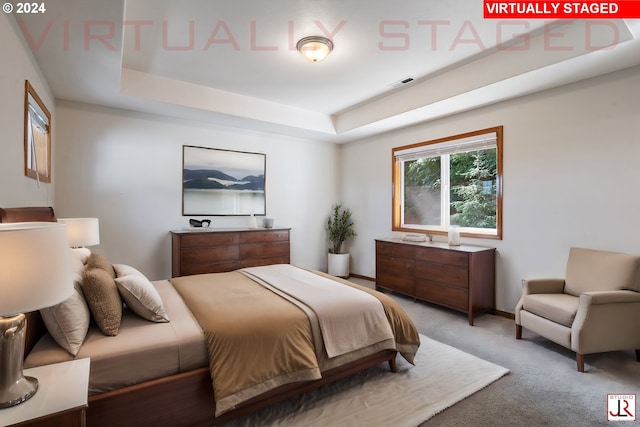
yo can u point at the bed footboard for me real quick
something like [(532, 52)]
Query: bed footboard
[(186, 399)]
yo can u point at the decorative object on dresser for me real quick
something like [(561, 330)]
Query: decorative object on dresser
[(196, 223), (35, 272), (461, 277), (416, 237), (223, 182), (453, 236), (340, 228), (222, 250)]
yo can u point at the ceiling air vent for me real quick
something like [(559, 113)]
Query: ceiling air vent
[(402, 82)]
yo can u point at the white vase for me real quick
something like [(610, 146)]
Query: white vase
[(454, 235), (339, 265)]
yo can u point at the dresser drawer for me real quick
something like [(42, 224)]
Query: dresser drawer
[(454, 275), (403, 283), (206, 255), (405, 266), (394, 250), (448, 296), (442, 256), (264, 236), (204, 239), (264, 250), (257, 262), (210, 267)]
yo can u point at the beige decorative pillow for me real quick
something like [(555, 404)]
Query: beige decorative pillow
[(142, 297), (97, 260), (104, 301), (68, 321), (126, 270)]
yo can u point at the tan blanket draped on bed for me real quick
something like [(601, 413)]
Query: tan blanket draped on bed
[(258, 340), (248, 355), (349, 319)]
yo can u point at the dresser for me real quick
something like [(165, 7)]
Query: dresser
[(219, 250), (458, 277)]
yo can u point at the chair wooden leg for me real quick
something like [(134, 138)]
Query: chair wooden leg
[(638, 354), (518, 332), (580, 362)]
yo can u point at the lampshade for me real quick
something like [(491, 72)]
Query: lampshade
[(35, 272), (82, 231), (315, 48), (34, 266)]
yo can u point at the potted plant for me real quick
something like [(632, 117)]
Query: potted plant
[(339, 228)]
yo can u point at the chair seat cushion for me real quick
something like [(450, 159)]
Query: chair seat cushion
[(559, 308)]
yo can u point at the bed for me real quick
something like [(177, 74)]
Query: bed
[(175, 361)]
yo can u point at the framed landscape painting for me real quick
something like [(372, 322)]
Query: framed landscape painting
[(222, 182)]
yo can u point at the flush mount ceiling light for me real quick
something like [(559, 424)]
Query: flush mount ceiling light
[(315, 48)]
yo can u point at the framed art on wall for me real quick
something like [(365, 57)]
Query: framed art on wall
[(222, 182)]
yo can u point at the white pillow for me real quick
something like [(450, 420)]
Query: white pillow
[(126, 270), (82, 254), (142, 297), (68, 321)]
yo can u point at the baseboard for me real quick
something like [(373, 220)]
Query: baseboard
[(506, 314), (358, 276)]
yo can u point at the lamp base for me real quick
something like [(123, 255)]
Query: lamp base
[(21, 391), (15, 388)]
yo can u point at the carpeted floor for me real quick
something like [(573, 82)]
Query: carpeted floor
[(543, 387), (441, 377)]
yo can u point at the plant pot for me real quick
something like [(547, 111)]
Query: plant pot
[(339, 265)]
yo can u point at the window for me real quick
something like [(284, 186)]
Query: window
[(450, 181), (37, 136)]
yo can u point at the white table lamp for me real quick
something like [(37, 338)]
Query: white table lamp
[(82, 232), (35, 273)]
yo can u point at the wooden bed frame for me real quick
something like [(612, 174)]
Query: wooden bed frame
[(184, 399)]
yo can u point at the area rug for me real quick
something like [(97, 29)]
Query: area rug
[(442, 377)]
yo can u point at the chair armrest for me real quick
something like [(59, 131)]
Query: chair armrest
[(542, 286), (611, 297), (605, 321)]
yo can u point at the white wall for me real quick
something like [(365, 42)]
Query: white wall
[(571, 178), (19, 65), (125, 168)]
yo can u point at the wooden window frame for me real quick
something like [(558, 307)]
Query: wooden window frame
[(396, 215), (30, 95)]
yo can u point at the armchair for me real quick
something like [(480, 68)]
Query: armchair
[(596, 308)]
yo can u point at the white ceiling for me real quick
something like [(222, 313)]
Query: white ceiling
[(233, 62)]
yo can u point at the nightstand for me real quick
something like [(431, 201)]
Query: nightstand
[(61, 399)]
